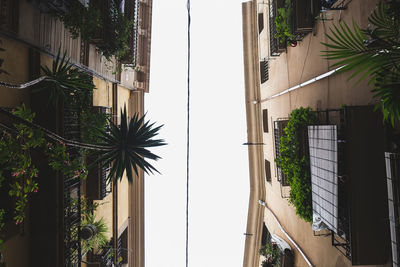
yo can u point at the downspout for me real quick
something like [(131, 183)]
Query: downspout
[(320, 77), (286, 234)]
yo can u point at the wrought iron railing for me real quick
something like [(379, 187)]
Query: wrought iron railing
[(273, 41), (98, 186), (341, 240), (132, 13), (103, 257), (393, 184), (72, 186)]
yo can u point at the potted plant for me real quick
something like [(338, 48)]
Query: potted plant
[(271, 253)]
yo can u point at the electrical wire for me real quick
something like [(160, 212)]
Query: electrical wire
[(188, 139)]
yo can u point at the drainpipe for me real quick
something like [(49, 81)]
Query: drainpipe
[(313, 80), (262, 203)]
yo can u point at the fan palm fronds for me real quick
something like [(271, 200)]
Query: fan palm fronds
[(373, 53), (127, 146), (99, 239)]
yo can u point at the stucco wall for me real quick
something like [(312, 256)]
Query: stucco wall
[(102, 96), (16, 59)]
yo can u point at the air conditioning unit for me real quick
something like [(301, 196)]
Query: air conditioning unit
[(139, 85)]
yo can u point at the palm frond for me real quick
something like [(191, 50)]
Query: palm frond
[(127, 145), (63, 78)]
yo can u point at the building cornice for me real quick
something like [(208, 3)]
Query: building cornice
[(253, 115)]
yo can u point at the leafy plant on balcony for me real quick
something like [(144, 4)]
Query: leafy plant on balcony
[(16, 165), (80, 20), (283, 23), (373, 54), (97, 238), (89, 22), (62, 79), (91, 120), (117, 32), (271, 253), (283, 30), (295, 163), (125, 146)]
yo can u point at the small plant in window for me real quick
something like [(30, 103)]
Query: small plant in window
[(271, 253)]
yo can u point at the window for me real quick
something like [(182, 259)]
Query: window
[(97, 187), (9, 15), (115, 103), (279, 125), (265, 120), (264, 75), (267, 171), (260, 22)]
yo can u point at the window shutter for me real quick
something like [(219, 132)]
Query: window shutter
[(267, 171), (260, 22), (264, 75), (265, 120)]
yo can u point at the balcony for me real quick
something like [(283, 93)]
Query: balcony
[(103, 257), (358, 222), (131, 11), (299, 19), (97, 187)]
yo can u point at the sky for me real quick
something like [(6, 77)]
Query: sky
[(219, 175)]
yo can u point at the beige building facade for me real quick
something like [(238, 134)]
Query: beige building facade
[(31, 38), (278, 81)]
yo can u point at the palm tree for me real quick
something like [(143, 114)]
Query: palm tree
[(373, 53), (125, 146)]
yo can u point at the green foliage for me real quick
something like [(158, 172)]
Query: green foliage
[(372, 54), (91, 120), (295, 163), (283, 29), (15, 157), (271, 253), (118, 32), (63, 79), (60, 161), (127, 146), (89, 22), (81, 20), (283, 23), (99, 240)]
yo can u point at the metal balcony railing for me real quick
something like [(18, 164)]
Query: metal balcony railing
[(103, 257), (393, 184), (131, 11), (273, 42), (72, 186)]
